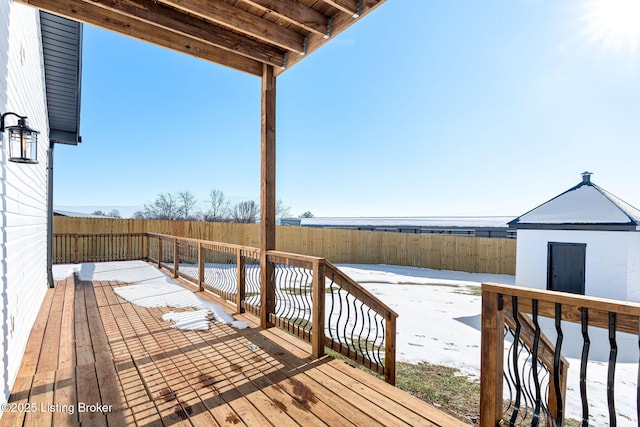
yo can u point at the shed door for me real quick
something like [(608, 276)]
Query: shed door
[(566, 265)]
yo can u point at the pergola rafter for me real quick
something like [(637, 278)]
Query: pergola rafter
[(241, 34)]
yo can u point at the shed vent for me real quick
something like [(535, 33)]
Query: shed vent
[(586, 177)]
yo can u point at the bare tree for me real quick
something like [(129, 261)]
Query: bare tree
[(114, 213), (307, 214), (218, 207), (186, 200), (138, 215), (245, 212), (282, 211), (165, 206), (98, 213)]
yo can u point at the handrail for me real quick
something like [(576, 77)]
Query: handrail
[(500, 302), (386, 366), (314, 300)]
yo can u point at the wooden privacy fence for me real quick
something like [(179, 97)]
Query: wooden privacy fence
[(307, 296), (442, 252), (527, 383)]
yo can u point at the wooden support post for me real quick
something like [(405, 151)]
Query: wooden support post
[(241, 280), (200, 266), (317, 310), (267, 193), (390, 350), (491, 360), (145, 247), (176, 258), (159, 252), (75, 249)]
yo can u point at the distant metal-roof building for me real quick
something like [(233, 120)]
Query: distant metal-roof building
[(478, 226)]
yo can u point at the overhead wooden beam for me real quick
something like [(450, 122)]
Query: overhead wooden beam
[(294, 12), (240, 20), (154, 13), (88, 13), (267, 193), (347, 6), (340, 22)]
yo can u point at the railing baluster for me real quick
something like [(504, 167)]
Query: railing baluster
[(584, 315), (611, 372), (534, 362), (514, 361), (200, 266), (557, 411)]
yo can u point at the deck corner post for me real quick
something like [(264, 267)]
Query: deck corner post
[(390, 349), (145, 247), (267, 194), (75, 249), (159, 252), (176, 258), (241, 280), (491, 359), (317, 310), (200, 266)]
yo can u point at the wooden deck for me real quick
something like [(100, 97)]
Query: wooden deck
[(90, 347)]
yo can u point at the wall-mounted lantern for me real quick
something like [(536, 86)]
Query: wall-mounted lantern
[(23, 141)]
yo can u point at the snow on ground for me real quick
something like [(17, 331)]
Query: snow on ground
[(436, 309), (439, 321), (150, 287)]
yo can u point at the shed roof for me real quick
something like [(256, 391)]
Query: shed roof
[(62, 52), (585, 205)]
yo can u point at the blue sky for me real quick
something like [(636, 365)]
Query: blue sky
[(422, 108)]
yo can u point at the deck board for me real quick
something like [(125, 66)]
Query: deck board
[(90, 346)]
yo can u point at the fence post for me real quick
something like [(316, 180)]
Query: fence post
[(145, 246), (176, 258), (317, 311), (75, 249), (390, 349), (200, 266), (160, 252), (491, 359)]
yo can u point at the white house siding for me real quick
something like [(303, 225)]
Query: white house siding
[(23, 189), (607, 255), (633, 266)]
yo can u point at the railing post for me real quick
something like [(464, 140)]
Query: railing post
[(267, 291), (75, 249), (200, 266), (491, 359), (160, 252), (241, 281), (552, 399), (145, 246), (390, 349), (317, 310), (176, 258)]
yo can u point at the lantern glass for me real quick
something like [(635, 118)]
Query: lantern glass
[(23, 144)]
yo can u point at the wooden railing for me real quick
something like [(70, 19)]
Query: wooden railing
[(312, 298), (533, 376), (75, 248)]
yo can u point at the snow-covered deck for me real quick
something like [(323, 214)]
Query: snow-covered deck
[(97, 359)]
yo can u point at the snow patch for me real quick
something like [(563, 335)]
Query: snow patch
[(149, 287)]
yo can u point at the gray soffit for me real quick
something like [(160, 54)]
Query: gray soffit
[(62, 50)]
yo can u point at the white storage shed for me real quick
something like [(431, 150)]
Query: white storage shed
[(585, 241)]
